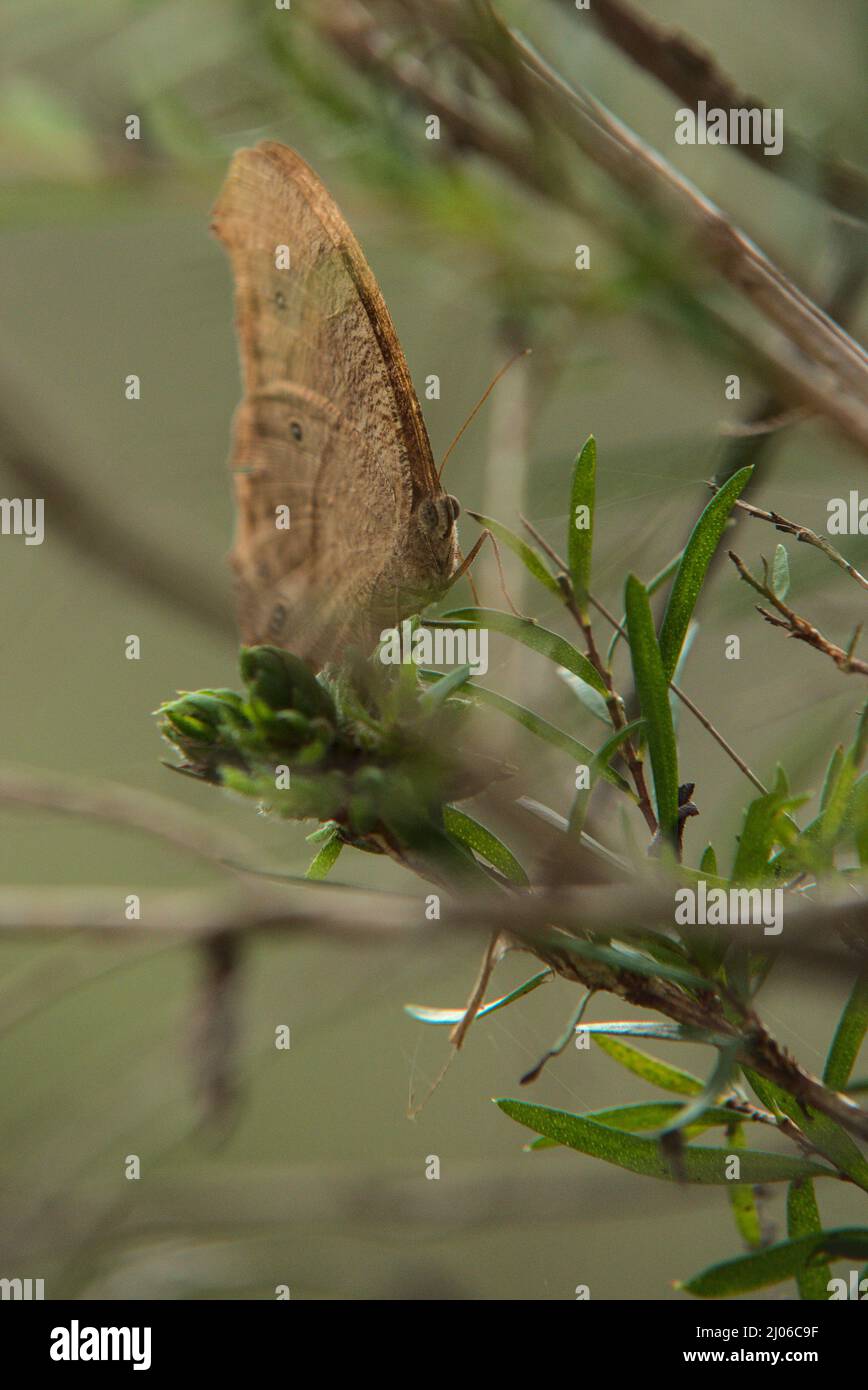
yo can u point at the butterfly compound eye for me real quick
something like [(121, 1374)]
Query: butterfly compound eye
[(435, 515), (296, 431)]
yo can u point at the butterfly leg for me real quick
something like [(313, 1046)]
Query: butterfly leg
[(464, 568)]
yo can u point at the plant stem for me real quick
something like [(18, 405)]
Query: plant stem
[(614, 703), (694, 709), (799, 627)]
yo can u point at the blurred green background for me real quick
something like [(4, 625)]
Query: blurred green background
[(108, 269)]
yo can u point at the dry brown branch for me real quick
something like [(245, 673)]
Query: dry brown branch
[(692, 74), (365, 915), (763, 426), (767, 424), (644, 172), (137, 810), (818, 363), (369, 915), (798, 626), (801, 533), (355, 35), (361, 916), (215, 1028)]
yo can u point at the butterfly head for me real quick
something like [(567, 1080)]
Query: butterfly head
[(435, 518)]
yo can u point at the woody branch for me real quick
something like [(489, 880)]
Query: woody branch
[(797, 626), (809, 355), (693, 75)]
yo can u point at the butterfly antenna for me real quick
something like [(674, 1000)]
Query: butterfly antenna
[(525, 352)]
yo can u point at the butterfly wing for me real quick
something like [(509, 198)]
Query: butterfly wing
[(329, 426)]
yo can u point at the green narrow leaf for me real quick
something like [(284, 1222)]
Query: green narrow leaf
[(698, 553), (484, 843), (424, 1014), (674, 702), (708, 862), (848, 1038), (780, 573), (620, 958), (776, 1263), (653, 691), (562, 1042), (653, 1114), (560, 823), (580, 536), (857, 804), (654, 1028), (431, 699), (638, 1155), (831, 776), (826, 1135), (651, 588), (535, 724), (525, 630), (717, 1084), (803, 1219), (857, 816), (843, 816), (590, 698), (651, 1069), (742, 1199), (668, 952), (764, 821), (528, 556), (325, 858), (323, 833), (597, 768), (838, 792)]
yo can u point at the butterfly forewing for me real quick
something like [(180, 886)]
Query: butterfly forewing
[(329, 426)]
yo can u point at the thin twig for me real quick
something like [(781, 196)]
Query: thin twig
[(766, 424), (614, 703), (134, 809), (613, 621), (801, 533), (841, 304), (798, 626), (688, 703), (215, 1029), (615, 706)]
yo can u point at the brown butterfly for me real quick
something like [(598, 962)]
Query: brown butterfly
[(329, 426)]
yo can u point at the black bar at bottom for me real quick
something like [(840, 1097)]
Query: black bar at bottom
[(259, 1338)]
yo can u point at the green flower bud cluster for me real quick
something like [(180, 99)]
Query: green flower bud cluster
[(286, 717), (350, 748)]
